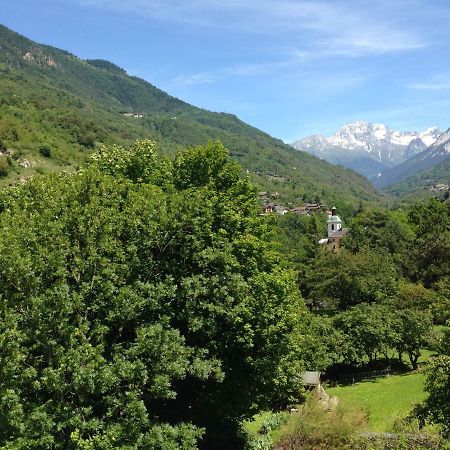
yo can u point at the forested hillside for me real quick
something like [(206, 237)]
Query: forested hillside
[(56, 108), (422, 184)]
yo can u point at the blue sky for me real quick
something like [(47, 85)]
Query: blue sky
[(289, 67)]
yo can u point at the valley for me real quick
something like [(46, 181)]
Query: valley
[(173, 278), (57, 109), (386, 157)]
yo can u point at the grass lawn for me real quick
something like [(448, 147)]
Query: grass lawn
[(385, 398)]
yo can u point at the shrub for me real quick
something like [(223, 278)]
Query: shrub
[(45, 150), (272, 422), (262, 439), (4, 166), (315, 427)]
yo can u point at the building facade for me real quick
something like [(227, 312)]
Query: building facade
[(335, 233)]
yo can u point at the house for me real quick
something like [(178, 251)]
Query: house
[(312, 207), (268, 209), (6, 151), (335, 232), (301, 210), (440, 187), (282, 210), (135, 115)]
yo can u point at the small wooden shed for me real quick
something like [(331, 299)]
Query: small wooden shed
[(311, 378)]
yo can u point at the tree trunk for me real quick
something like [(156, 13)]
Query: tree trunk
[(413, 358)]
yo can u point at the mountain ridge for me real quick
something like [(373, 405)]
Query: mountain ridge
[(432, 156), (366, 147), (69, 106)]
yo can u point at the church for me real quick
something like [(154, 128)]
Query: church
[(335, 232)]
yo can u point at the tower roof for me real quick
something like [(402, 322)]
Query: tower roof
[(334, 219)]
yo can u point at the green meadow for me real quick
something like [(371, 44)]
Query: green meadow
[(385, 399)]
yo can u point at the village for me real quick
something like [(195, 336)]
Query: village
[(335, 230), (440, 187), (269, 205)]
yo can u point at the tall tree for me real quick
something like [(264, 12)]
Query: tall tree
[(141, 306), (430, 251), (344, 279), (436, 407)]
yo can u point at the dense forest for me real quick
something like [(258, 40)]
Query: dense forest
[(147, 304)]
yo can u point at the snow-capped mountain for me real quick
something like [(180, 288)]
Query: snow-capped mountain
[(441, 147), (368, 148), (438, 152), (415, 147)]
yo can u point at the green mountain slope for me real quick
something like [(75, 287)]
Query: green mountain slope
[(56, 108), (420, 184)]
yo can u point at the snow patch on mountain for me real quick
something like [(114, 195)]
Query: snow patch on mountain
[(359, 144), (443, 143), (432, 156), (430, 135)]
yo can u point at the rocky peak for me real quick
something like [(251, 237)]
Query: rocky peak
[(368, 147), (415, 147)]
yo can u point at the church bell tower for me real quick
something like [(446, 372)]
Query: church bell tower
[(334, 222)]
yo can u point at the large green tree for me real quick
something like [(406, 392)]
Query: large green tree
[(345, 279), (436, 407), (430, 250), (369, 330), (141, 306), (382, 230)]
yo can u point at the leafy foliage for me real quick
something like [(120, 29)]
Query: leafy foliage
[(436, 407), (313, 426), (369, 329), (384, 230), (431, 250), (140, 307), (344, 279)]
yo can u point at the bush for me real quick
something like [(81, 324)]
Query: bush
[(272, 422), (262, 439), (45, 150), (315, 427), (4, 166)]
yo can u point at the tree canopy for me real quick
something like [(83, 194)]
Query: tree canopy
[(141, 305)]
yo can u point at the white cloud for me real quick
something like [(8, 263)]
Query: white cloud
[(326, 28), (241, 70), (197, 78), (431, 86)]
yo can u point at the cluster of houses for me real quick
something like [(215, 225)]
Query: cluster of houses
[(334, 223), (439, 187), (135, 115), (6, 151), (269, 205)]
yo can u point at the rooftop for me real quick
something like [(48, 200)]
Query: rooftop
[(334, 219)]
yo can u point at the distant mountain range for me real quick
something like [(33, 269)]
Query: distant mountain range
[(422, 171), (367, 148), (55, 109)]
